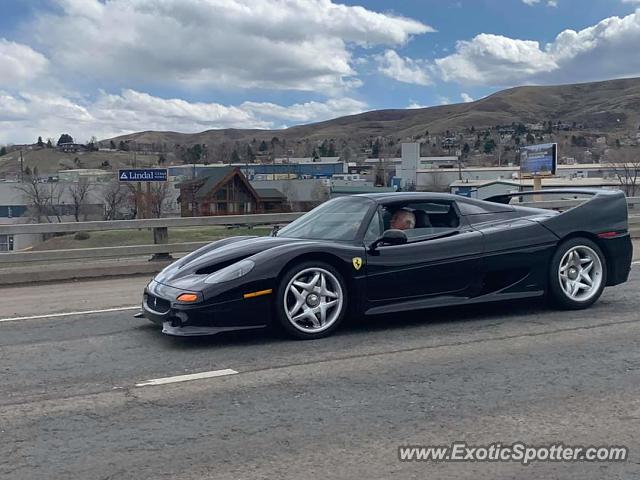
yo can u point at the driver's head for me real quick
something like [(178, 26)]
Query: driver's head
[(403, 220)]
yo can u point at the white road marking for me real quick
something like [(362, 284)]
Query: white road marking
[(186, 378), (69, 314)]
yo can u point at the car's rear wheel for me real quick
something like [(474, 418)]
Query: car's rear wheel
[(578, 274), (311, 300)]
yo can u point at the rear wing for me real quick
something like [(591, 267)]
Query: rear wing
[(602, 210), (506, 197)]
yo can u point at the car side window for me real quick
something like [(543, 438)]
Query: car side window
[(430, 217), (374, 231)]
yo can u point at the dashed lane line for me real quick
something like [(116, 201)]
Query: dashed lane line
[(70, 314), (187, 378)]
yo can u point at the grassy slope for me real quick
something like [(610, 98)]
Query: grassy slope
[(118, 238), (49, 161)]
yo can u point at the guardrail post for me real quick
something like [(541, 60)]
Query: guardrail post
[(160, 237)]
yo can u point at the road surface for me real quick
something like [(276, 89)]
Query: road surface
[(333, 408)]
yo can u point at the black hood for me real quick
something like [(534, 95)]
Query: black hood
[(215, 256)]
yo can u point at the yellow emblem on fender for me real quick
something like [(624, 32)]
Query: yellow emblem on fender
[(357, 263)]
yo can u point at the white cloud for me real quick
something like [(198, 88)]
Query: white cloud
[(605, 50), (530, 2), (306, 112), (403, 69), (275, 44), (413, 105), (25, 116), (20, 64), (552, 3), (466, 98)]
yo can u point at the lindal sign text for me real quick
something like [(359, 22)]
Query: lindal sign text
[(143, 175)]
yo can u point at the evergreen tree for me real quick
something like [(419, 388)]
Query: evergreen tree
[(40, 143), (65, 138)]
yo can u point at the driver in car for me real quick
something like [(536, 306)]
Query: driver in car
[(403, 219)]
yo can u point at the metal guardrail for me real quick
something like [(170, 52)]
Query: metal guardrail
[(162, 249)]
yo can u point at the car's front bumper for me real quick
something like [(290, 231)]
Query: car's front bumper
[(203, 318)]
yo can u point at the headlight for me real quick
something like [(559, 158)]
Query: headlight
[(231, 272)]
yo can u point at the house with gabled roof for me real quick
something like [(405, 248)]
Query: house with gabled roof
[(225, 191)]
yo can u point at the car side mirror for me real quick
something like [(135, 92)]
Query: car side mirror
[(390, 237)]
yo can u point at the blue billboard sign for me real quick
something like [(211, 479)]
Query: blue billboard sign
[(143, 175), (538, 160)]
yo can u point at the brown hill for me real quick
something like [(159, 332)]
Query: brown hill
[(605, 106)]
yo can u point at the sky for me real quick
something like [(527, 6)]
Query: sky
[(108, 67)]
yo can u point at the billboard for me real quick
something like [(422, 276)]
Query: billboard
[(538, 160), (143, 175)]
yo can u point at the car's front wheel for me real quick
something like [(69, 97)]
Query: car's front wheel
[(311, 300), (578, 274)]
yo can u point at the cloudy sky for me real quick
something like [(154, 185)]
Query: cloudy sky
[(107, 67)]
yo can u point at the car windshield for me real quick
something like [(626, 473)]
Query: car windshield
[(338, 219)]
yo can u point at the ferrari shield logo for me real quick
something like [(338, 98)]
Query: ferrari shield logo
[(357, 263)]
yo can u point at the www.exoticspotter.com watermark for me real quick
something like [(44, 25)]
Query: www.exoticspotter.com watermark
[(514, 452)]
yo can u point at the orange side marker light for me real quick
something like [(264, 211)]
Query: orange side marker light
[(188, 297)]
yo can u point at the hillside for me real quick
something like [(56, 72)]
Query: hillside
[(48, 161), (605, 106)]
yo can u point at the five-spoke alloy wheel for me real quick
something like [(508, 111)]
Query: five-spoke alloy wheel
[(578, 273), (311, 300)]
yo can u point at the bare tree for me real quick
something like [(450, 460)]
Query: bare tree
[(158, 198), (625, 163), (43, 198), (117, 197), (79, 193)]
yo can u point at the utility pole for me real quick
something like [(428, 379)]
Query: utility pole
[(21, 167)]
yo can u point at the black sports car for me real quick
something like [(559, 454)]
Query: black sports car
[(344, 257)]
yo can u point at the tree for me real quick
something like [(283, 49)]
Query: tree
[(263, 146), (40, 143), (3, 151), (332, 150), (158, 198), (162, 159), (92, 144), (250, 155), (530, 139), (466, 149), (122, 146), (489, 146), (117, 197), (65, 138), (112, 145), (235, 158), (44, 199), (49, 143), (626, 166), (79, 193)]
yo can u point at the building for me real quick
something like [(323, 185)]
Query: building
[(487, 188), (15, 208), (272, 200), (345, 190), (222, 191), (91, 175), (267, 171), (301, 194)]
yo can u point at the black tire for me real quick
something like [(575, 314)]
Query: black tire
[(563, 299), (303, 329)]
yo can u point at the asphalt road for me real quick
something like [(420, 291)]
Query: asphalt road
[(333, 408)]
